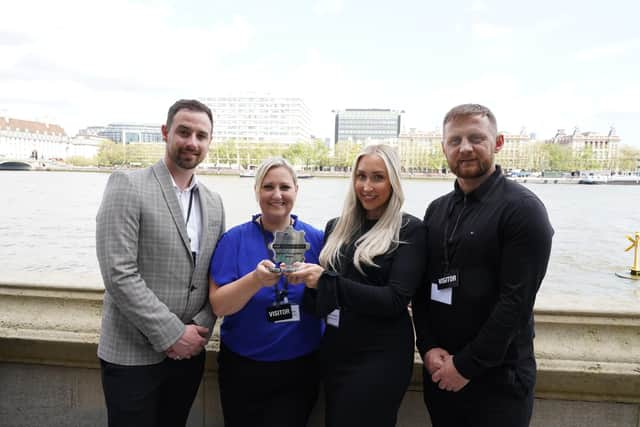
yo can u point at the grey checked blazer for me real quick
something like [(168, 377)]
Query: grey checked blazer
[(152, 286)]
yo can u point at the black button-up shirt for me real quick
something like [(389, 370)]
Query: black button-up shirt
[(498, 239)]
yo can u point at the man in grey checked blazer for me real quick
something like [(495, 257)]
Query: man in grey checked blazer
[(156, 231)]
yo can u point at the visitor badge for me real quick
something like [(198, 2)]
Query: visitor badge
[(279, 312), (333, 318), (441, 295), (448, 280), (295, 315)]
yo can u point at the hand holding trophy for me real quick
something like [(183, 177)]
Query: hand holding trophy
[(288, 247)]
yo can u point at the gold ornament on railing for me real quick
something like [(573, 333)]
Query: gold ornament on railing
[(635, 268)]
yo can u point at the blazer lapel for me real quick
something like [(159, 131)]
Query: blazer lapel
[(166, 186), (205, 234)]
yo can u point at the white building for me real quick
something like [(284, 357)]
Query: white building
[(416, 147), (24, 140), (29, 140), (603, 147), (84, 146), (259, 119), (517, 151)]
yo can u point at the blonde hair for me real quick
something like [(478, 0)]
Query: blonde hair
[(266, 166), (384, 236)]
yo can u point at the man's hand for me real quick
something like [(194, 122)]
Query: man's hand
[(448, 377), (434, 359), (190, 343)]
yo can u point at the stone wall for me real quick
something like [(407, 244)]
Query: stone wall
[(589, 365)]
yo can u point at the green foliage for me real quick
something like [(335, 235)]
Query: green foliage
[(143, 154), (629, 159), (310, 155), (315, 156), (114, 154), (110, 154), (555, 157), (345, 153), (80, 161)]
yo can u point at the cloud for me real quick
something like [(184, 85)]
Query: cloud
[(328, 7), (485, 30), (608, 51), (108, 61), (477, 6)]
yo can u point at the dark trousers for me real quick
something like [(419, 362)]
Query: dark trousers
[(479, 404), (151, 395), (265, 394)]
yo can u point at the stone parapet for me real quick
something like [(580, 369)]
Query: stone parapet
[(584, 358)]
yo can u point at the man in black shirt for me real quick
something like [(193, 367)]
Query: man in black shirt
[(488, 248)]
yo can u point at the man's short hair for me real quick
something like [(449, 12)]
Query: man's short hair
[(191, 105), (466, 110)]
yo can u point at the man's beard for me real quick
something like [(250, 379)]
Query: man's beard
[(194, 159), (480, 169)]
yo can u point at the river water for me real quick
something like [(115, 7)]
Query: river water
[(47, 229)]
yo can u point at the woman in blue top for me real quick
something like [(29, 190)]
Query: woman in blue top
[(267, 370)]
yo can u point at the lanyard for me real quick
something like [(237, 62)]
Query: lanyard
[(447, 239), (281, 296), (190, 204), (195, 187)]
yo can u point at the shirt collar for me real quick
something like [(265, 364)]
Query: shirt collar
[(294, 219), (192, 185), (480, 192)]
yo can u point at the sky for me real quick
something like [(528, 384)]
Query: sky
[(540, 66)]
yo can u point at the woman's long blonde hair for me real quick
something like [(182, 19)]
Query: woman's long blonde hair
[(384, 236)]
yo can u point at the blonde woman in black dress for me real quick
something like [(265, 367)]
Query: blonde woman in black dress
[(371, 263)]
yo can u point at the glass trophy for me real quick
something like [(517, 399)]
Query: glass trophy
[(288, 247)]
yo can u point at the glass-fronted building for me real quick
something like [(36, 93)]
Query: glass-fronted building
[(372, 124), (131, 133)]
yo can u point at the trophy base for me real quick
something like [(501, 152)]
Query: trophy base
[(282, 270), (628, 275)]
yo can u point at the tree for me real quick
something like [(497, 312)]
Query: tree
[(80, 161), (111, 154), (345, 153), (586, 160), (628, 159), (298, 154), (320, 154), (556, 157)]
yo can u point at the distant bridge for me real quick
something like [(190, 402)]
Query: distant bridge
[(14, 165)]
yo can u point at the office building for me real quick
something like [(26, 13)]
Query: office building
[(370, 125), (259, 119), (128, 133)]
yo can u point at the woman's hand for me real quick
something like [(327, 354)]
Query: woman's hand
[(306, 273), (264, 275)]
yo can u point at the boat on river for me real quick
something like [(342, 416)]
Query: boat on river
[(624, 180), (610, 180), (593, 179)]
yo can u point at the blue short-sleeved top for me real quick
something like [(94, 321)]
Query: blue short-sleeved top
[(248, 332)]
